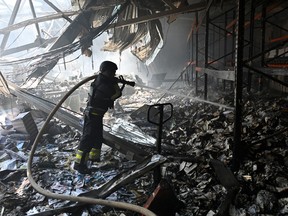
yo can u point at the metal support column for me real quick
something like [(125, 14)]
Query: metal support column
[(58, 10), (206, 54), (196, 53), (233, 45), (251, 46), (36, 24), (192, 55), (11, 21), (225, 47), (263, 23), (238, 85)]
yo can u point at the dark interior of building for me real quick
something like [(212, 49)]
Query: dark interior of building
[(202, 124)]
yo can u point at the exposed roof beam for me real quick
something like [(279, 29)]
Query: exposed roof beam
[(11, 21), (28, 46), (34, 16), (143, 19), (57, 10), (4, 88), (37, 20)]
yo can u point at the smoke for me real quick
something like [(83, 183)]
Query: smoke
[(169, 58)]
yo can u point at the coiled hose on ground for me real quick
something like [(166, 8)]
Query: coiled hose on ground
[(88, 200)]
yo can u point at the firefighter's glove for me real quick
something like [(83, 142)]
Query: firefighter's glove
[(123, 81), (121, 78)]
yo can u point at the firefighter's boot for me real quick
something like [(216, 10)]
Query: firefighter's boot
[(81, 162), (94, 155)]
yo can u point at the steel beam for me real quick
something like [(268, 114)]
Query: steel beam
[(266, 75), (123, 179), (196, 55), (36, 20), (237, 150), (37, 43), (206, 56), (143, 19), (57, 10), (34, 16), (11, 21), (251, 44)]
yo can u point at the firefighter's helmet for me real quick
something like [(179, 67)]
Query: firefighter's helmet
[(108, 65)]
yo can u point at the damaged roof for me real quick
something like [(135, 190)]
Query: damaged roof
[(134, 25)]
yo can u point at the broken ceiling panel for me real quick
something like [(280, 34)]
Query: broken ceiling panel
[(4, 88), (143, 38), (147, 50), (129, 24), (121, 38)]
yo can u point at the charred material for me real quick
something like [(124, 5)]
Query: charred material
[(195, 136)]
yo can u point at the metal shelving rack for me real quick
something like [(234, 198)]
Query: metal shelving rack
[(236, 42)]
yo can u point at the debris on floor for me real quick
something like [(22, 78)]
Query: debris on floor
[(197, 135)]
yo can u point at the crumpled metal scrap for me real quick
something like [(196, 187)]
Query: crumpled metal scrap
[(194, 131)]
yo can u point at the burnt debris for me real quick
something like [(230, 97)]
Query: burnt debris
[(194, 161)]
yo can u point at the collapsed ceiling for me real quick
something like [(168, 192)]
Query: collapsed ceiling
[(129, 24)]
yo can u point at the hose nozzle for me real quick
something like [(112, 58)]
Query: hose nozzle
[(123, 81)]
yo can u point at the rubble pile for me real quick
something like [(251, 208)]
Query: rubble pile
[(197, 134), (208, 134)]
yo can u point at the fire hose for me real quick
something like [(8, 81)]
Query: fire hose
[(115, 204)]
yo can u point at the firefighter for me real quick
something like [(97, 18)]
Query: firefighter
[(104, 90)]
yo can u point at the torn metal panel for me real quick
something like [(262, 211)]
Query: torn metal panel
[(81, 26), (144, 51), (16, 155), (136, 26), (124, 37), (40, 69), (122, 179), (129, 149), (10, 164), (198, 135), (4, 88), (154, 16), (131, 132), (145, 46)]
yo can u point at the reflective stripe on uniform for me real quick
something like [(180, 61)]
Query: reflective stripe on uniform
[(94, 154), (94, 110), (79, 154)]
